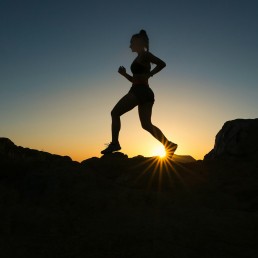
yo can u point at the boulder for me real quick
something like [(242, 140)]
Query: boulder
[(238, 139)]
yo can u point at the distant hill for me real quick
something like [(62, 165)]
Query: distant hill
[(183, 158)]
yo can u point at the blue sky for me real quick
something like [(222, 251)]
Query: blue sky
[(59, 79)]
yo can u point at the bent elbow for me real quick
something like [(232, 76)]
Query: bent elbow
[(164, 64)]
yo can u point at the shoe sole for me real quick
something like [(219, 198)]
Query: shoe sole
[(108, 152)]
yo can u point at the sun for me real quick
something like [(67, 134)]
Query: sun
[(159, 151)]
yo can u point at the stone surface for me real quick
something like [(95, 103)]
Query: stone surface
[(238, 139)]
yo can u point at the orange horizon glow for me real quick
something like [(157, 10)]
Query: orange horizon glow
[(80, 151), (154, 150)]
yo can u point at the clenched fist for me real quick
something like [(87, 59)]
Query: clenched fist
[(122, 70)]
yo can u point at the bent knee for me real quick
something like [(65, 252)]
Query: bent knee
[(114, 113)]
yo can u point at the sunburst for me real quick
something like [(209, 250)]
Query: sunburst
[(159, 151)]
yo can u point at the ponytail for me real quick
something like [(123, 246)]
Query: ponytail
[(142, 34), (145, 37)]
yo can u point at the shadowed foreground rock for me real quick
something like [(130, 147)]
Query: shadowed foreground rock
[(238, 139), (115, 206)]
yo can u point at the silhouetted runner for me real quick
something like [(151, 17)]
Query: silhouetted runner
[(139, 94)]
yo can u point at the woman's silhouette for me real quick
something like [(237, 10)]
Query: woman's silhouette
[(139, 94)]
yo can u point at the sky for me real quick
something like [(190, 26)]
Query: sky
[(59, 79)]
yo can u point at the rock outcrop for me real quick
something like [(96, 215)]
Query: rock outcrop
[(238, 139), (16, 154)]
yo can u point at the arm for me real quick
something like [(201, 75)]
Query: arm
[(128, 77), (123, 72), (160, 64)]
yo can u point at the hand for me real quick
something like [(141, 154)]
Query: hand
[(122, 70)]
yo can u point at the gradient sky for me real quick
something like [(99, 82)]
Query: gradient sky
[(59, 79)]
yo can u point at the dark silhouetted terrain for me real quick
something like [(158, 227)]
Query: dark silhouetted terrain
[(115, 206)]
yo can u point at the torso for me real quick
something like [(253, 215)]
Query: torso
[(140, 67)]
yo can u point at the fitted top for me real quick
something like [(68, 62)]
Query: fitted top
[(139, 68)]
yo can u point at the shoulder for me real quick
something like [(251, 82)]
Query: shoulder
[(154, 59), (147, 57), (148, 53)]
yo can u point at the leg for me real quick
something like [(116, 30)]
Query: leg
[(145, 111), (124, 105)]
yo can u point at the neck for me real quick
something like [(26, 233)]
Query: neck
[(140, 52)]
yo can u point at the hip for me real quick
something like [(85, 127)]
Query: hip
[(141, 87), (142, 92)]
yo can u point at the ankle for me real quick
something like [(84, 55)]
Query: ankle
[(169, 143), (165, 143)]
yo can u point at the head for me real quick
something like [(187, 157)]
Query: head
[(139, 42)]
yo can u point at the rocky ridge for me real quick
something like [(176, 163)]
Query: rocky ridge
[(115, 206)]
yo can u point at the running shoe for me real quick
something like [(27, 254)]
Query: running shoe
[(170, 149), (111, 148)]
